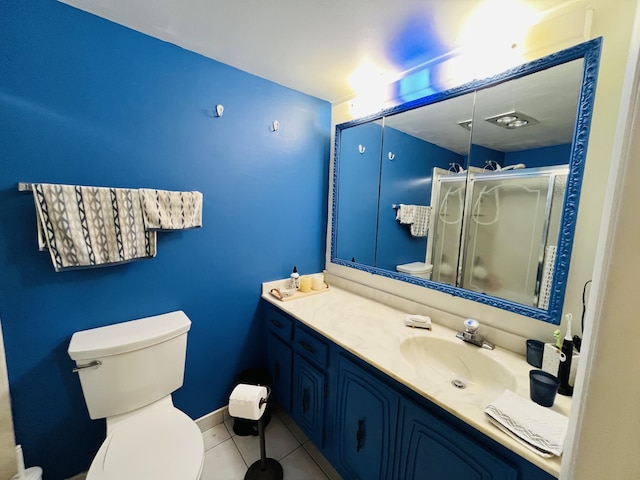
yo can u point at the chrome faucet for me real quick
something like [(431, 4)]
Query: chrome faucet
[(471, 335)]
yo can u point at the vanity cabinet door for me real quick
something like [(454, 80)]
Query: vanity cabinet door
[(280, 364), (430, 449), (365, 424), (308, 402)]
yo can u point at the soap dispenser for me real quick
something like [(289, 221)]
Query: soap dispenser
[(565, 360)]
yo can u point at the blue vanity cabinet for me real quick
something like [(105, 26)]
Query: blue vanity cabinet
[(309, 390), (280, 355), (308, 399), (371, 427), (430, 448), (364, 425), (280, 364)]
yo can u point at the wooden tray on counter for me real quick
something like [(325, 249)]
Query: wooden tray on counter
[(296, 294)]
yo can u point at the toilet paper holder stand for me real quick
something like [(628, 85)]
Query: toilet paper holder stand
[(265, 468)]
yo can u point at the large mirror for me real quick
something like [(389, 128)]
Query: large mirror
[(472, 191)]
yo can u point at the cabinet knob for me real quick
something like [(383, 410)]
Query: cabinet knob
[(307, 347), (305, 400), (275, 323), (360, 436)]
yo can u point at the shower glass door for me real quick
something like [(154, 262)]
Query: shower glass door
[(447, 211), (511, 232)]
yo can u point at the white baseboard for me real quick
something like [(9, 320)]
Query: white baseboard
[(80, 476), (212, 419)]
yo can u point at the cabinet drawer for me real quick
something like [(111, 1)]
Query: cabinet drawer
[(311, 346), (279, 323)]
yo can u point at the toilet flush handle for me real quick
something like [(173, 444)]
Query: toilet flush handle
[(95, 363)]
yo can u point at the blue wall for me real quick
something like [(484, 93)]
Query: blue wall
[(533, 157), (358, 192), (540, 157), (406, 179), (85, 101), (370, 184)]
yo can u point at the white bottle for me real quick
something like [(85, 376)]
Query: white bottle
[(294, 281)]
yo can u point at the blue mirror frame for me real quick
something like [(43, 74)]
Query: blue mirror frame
[(590, 53)]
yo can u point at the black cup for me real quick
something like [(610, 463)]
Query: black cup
[(535, 349), (543, 387)]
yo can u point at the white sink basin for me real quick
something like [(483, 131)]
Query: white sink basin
[(464, 367)]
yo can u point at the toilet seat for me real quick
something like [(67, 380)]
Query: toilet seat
[(159, 444)]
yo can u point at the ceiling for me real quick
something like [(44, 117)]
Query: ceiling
[(549, 96), (313, 46)]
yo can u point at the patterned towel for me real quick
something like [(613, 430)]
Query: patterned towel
[(406, 214), (534, 424), (420, 224), (165, 210), (91, 226), (547, 277)]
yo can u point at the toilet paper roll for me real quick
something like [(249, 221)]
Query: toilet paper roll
[(246, 401)]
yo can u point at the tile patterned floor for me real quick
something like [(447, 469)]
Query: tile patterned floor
[(227, 455)]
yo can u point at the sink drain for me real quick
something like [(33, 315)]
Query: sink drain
[(458, 384)]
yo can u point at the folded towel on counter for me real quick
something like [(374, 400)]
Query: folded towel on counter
[(166, 210), (536, 426), (420, 224), (91, 226)]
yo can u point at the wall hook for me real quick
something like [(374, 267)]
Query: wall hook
[(361, 149), (219, 110), (391, 155), (275, 126)]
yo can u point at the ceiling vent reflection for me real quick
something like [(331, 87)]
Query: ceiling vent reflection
[(511, 120)]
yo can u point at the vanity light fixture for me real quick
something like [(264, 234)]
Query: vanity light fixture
[(512, 119)]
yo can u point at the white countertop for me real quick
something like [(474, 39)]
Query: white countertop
[(374, 331)]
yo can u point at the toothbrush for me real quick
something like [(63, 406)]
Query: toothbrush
[(565, 360)]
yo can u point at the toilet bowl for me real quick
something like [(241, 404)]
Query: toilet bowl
[(156, 442), (128, 372), (417, 269)]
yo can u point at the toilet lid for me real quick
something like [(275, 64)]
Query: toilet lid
[(165, 446), (415, 268)]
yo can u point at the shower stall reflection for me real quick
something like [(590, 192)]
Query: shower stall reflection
[(509, 232), (443, 244)]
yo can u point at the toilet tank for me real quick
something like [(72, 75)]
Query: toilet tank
[(141, 361)]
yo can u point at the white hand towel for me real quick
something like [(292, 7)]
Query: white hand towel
[(91, 226), (166, 210), (538, 426)]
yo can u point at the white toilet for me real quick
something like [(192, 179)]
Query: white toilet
[(417, 269), (128, 372)]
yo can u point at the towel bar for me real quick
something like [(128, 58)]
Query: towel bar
[(24, 186)]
